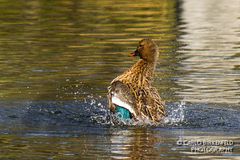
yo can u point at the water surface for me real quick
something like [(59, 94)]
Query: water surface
[(58, 57)]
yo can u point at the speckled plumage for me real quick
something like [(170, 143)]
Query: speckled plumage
[(135, 88)]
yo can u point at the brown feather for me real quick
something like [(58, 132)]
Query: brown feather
[(138, 80)]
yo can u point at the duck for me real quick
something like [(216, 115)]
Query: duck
[(132, 94)]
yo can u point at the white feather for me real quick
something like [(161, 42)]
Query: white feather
[(118, 102)]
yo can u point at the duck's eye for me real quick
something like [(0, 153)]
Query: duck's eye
[(141, 45)]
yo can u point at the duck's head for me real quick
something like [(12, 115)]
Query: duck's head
[(146, 50)]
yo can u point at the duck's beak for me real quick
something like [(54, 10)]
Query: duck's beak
[(135, 53)]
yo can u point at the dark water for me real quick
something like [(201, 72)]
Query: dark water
[(58, 57)]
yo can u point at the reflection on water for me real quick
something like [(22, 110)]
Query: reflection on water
[(64, 130), (137, 144), (121, 144), (67, 50), (71, 50), (212, 50)]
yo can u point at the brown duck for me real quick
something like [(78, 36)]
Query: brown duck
[(133, 90)]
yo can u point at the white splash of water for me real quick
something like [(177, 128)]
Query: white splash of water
[(93, 101), (177, 115)]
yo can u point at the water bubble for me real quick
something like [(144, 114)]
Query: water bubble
[(100, 105), (93, 101)]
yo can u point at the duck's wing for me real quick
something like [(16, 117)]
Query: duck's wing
[(119, 94)]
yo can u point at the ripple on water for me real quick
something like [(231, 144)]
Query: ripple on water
[(94, 112)]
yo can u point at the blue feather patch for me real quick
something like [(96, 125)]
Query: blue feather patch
[(123, 112)]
